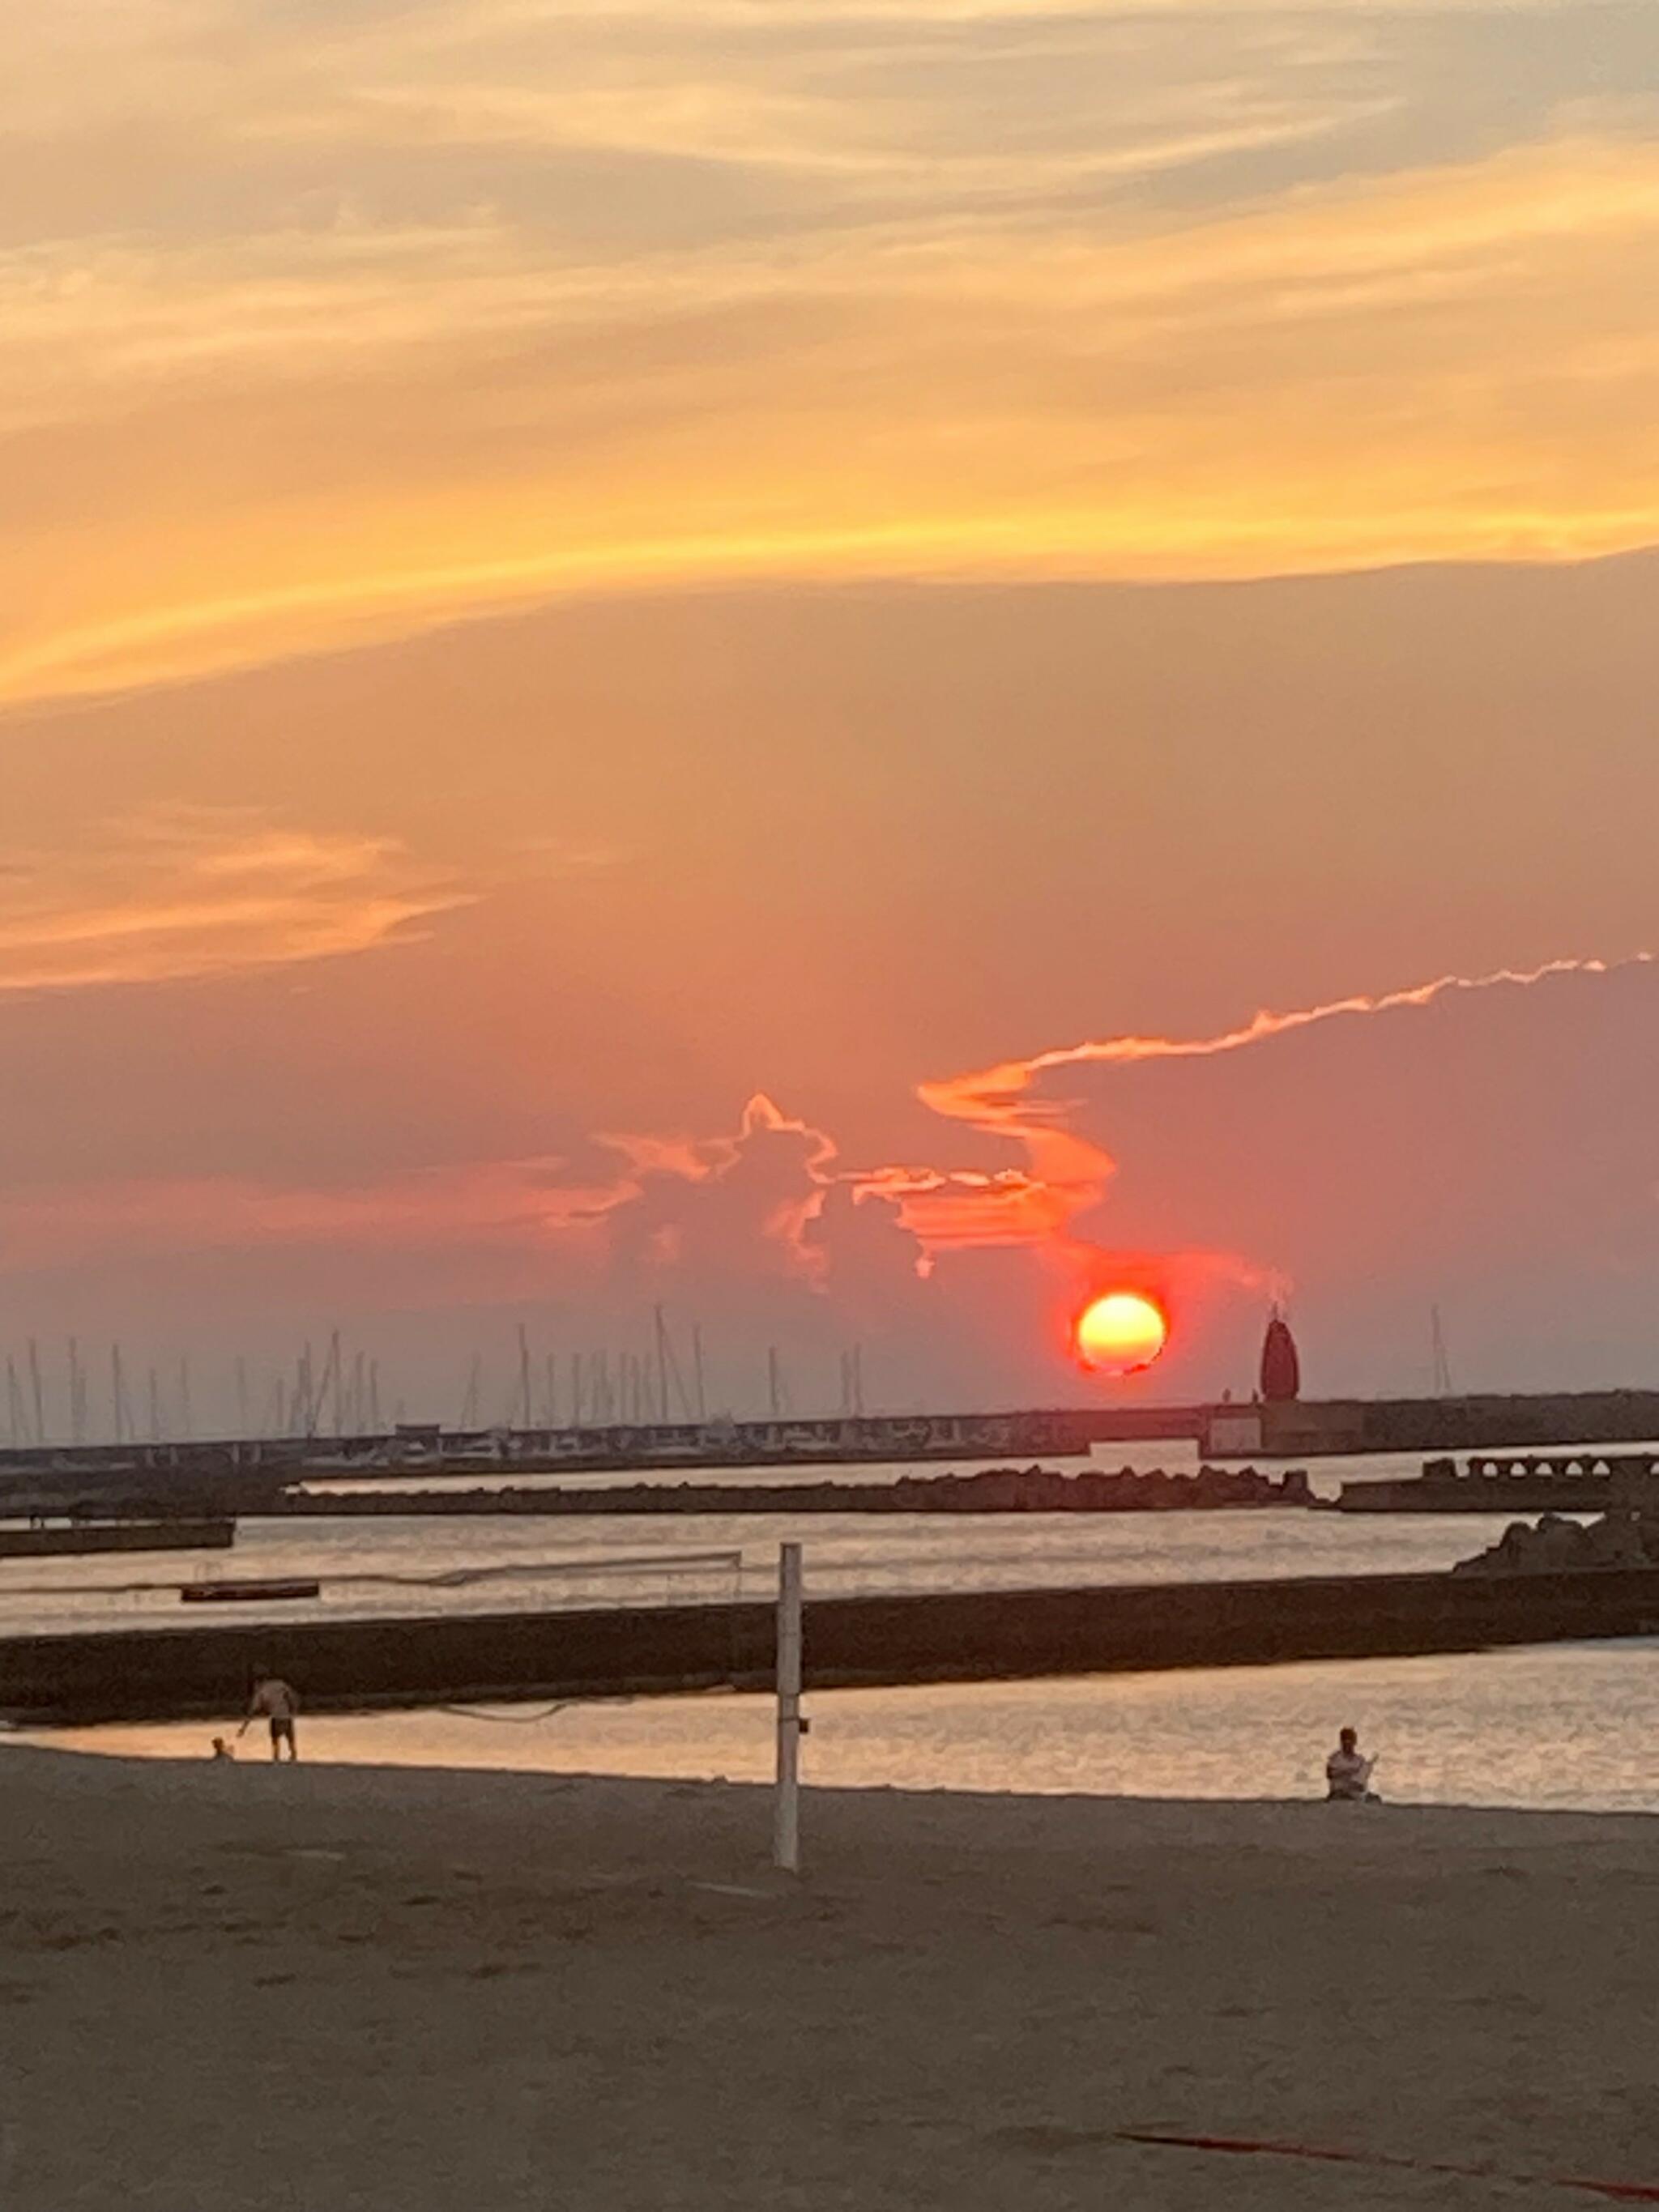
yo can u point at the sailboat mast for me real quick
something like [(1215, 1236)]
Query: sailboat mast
[(697, 1372), (37, 1393)]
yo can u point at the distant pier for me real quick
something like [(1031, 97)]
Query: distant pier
[(1515, 1483), (235, 1473)]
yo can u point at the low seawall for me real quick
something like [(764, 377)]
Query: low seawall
[(957, 1636), (1511, 1495), (80, 1538), (993, 1490)]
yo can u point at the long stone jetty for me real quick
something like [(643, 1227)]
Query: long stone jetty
[(993, 1490)]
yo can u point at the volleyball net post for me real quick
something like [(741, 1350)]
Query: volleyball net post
[(785, 1835)]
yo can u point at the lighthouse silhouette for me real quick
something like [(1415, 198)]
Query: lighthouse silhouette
[(1281, 1370)]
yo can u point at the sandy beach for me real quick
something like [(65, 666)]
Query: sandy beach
[(347, 1989)]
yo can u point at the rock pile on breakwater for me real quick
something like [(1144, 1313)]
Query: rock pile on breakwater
[(1096, 1490), (991, 1490), (1557, 1546)]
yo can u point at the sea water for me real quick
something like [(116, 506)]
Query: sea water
[(381, 1565), (1557, 1726), (1554, 1727)]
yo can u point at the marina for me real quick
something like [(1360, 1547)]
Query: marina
[(38, 1472)]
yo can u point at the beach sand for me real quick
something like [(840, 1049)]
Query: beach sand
[(349, 1990)]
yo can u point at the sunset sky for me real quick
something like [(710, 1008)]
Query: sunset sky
[(718, 652)]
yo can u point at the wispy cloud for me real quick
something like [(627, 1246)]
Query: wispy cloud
[(1001, 1099), (514, 1203), (739, 1203), (195, 892), (770, 1215), (351, 327), (1068, 1173)]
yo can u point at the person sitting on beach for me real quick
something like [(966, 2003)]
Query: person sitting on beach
[(221, 1749), (1348, 1772), (278, 1701)]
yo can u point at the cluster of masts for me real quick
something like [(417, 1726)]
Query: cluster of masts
[(338, 1390)]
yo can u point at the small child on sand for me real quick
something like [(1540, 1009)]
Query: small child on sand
[(221, 1749)]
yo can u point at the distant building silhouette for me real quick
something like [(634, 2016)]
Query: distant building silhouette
[(1281, 1370)]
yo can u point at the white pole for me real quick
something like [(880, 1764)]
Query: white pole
[(786, 1848)]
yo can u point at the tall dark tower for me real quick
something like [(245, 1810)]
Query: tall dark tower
[(1281, 1370)]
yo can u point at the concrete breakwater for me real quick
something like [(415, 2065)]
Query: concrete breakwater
[(959, 1636), (1553, 1545), (96, 1472), (994, 1490), (75, 1539), (1553, 1482)]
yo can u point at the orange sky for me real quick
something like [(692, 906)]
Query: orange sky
[(567, 571)]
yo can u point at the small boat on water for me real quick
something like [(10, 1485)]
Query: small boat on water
[(246, 1592)]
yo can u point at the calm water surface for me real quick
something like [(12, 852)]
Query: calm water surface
[(1562, 1726), (376, 1566), (1565, 1726)]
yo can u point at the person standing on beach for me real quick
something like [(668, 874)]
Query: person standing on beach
[(279, 1702)]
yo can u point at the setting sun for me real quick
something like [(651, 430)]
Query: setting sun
[(1120, 1332)]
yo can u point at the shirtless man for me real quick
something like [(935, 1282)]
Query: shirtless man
[(279, 1703)]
